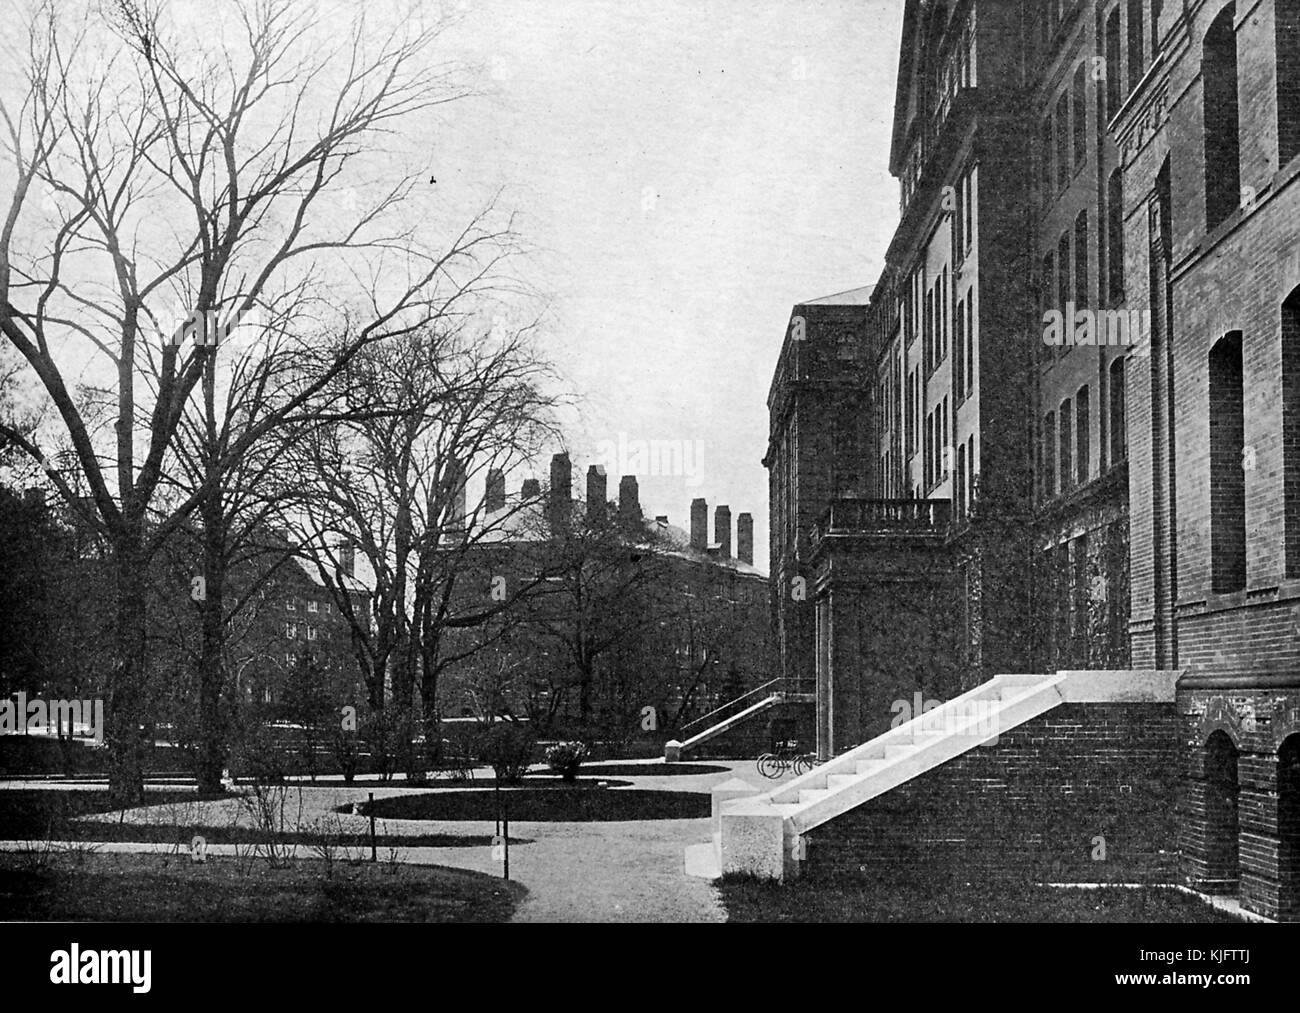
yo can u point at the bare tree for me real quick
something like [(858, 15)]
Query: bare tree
[(448, 406), (146, 169)]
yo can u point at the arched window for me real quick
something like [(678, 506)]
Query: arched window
[(1114, 80), (1080, 103), (1082, 433), (1049, 456), (1290, 338), (1118, 435), (1221, 826), (1115, 237), (1220, 119), (1081, 292), (1136, 67), (1227, 476), (1287, 15), (1288, 818), (1066, 444)]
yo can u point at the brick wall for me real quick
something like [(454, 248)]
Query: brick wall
[(1032, 805)]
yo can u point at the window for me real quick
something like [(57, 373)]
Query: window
[(943, 315), (1064, 285), (1062, 141), (968, 210), (311, 632), (960, 491), (291, 631), (1115, 237), (1118, 436), (1135, 65), (1114, 80), (1156, 6), (328, 608), (290, 605), (909, 418), (971, 474), (313, 606), (1220, 120), (1290, 336), (1081, 261), (1049, 455), (1227, 476), (1066, 445), (1082, 433), (1079, 598), (1287, 15), (1080, 121), (970, 341), (959, 352), (289, 660), (945, 433)]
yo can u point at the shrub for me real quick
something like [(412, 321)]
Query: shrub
[(565, 758), (508, 749)]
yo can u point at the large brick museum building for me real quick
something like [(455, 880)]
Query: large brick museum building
[(1077, 382)]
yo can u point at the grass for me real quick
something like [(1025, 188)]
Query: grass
[(946, 900), (580, 803), (42, 815), (153, 888)]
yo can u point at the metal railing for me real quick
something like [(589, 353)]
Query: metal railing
[(748, 699), (884, 516)]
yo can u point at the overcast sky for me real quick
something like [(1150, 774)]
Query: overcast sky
[(687, 170)]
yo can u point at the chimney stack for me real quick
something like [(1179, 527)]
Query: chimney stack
[(495, 499), (596, 494), (745, 538), (629, 500), (347, 558), (699, 525), (661, 519), (532, 489), (561, 489), (456, 516), (722, 530)]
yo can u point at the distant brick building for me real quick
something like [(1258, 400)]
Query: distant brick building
[(698, 634)]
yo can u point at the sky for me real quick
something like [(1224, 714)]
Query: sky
[(684, 172)]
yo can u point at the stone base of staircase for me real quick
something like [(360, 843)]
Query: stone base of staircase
[(937, 788)]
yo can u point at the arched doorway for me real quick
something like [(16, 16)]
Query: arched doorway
[(1288, 826), (1222, 868)]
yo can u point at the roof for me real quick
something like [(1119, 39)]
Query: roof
[(853, 297)]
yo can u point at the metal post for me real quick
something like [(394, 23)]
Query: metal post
[(505, 835), (374, 855)]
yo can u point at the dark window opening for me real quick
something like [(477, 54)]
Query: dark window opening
[(1220, 120), (1290, 338), (1227, 476)]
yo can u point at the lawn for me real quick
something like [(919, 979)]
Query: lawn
[(580, 802), (943, 900), (44, 815), (156, 888)]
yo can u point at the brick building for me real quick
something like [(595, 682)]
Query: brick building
[(1082, 410), (682, 618)]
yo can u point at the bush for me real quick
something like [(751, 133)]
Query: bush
[(565, 758), (508, 749)]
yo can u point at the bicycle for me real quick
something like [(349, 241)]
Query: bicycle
[(786, 757)]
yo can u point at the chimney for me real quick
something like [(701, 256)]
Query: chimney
[(722, 530), (596, 494), (532, 489), (347, 558), (561, 489), (495, 499), (458, 512), (661, 518), (629, 500), (699, 524), (745, 538)]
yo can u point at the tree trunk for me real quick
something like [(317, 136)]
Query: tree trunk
[(126, 695), (212, 724)]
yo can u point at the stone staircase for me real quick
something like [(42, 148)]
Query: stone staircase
[(765, 697), (761, 835)]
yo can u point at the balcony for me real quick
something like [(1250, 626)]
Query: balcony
[(890, 517)]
